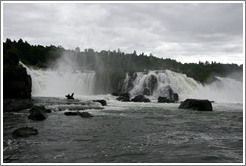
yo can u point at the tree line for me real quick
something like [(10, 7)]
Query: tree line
[(114, 61)]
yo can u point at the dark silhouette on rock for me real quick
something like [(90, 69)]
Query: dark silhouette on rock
[(103, 102), (68, 96), (37, 113), (17, 83), (24, 132), (200, 105), (123, 97), (140, 98), (85, 115)]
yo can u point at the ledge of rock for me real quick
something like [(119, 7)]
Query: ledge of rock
[(12, 105)]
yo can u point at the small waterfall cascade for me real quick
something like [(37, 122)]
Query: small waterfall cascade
[(61, 81), (165, 83)]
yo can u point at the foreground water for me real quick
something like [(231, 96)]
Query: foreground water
[(127, 133)]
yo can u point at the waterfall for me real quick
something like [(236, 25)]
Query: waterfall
[(59, 82), (165, 83)]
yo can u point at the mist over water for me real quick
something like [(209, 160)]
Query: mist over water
[(64, 78), (223, 90)]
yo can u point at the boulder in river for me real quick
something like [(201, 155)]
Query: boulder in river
[(71, 113), (103, 102), (37, 113), (40, 107), (85, 115), (195, 104), (24, 132), (140, 98)]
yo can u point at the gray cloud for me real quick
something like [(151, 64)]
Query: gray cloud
[(182, 31)]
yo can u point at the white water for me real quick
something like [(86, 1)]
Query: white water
[(66, 78), (61, 81), (224, 90)]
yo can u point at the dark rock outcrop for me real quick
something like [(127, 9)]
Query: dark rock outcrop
[(10, 105), (24, 132), (140, 98), (124, 97), (17, 84), (38, 113), (103, 102), (85, 115), (200, 105), (168, 93)]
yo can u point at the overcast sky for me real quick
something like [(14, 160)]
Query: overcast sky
[(187, 32)]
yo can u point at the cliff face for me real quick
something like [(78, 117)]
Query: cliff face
[(17, 83)]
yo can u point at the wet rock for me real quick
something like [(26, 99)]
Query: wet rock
[(103, 102), (115, 93), (175, 97), (11, 105), (85, 115), (37, 113), (140, 98), (71, 113), (24, 132), (124, 97), (200, 105), (40, 107)]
